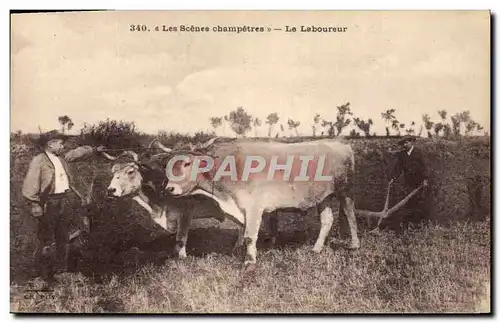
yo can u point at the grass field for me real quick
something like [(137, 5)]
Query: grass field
[(439, 267), (434, 269)]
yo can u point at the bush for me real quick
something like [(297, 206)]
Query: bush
[(112, 134), (177, 140)]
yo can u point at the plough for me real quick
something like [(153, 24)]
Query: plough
[(386, 212)]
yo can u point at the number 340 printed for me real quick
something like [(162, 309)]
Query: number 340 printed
[(139, 28)]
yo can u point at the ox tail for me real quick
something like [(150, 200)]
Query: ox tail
[(349, 167)]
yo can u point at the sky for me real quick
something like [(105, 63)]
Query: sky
[(90, 66)]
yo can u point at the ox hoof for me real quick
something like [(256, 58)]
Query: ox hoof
[(182, 254), (317, 249), (353, 245)]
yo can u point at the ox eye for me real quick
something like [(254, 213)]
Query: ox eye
[(187, 164), (130, 172)]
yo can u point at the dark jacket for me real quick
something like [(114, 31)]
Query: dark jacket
[(413, 167)]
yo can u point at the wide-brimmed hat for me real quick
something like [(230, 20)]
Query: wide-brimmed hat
[(44, 138), (406, 139)]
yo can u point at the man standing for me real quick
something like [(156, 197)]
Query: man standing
[(46, 187), (411, 164)]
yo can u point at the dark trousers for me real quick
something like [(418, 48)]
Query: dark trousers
[(53, 237)]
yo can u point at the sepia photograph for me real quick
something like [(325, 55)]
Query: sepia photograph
[(249, 162)]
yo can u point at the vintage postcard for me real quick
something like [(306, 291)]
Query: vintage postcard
[(183, 162)]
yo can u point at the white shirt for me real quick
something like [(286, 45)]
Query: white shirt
[(61, 178), (409, 151)]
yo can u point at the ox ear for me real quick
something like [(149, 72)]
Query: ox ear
[(131, 171), (189, 160), (115, 168)]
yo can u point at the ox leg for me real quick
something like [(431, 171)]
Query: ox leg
[(252, 227), (347, 209), (182, 235), (326, 225)]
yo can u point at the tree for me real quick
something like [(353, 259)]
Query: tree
[(443, 114), (461, 118), (216, 122), (445, 125), (293, 125), (272, 119), (437, 128), (256, 123), (457, 120), (363, 125), (401, 126), (389, 118), (411, 130), (395, 126), (428, 124), (240, 121), (470, 127), (354, 133), (316, 121), (331, 128), (343, 120), (66, 123)]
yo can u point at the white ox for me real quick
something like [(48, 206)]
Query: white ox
[(245, 191), (130, 179)]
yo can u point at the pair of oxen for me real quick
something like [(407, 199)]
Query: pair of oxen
[(174, 204)]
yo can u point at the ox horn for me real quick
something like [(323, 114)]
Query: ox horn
[(159, 145), (125, 153), (152, 142), (108, 156), (208, 143), (162, 147), (156, 140)]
